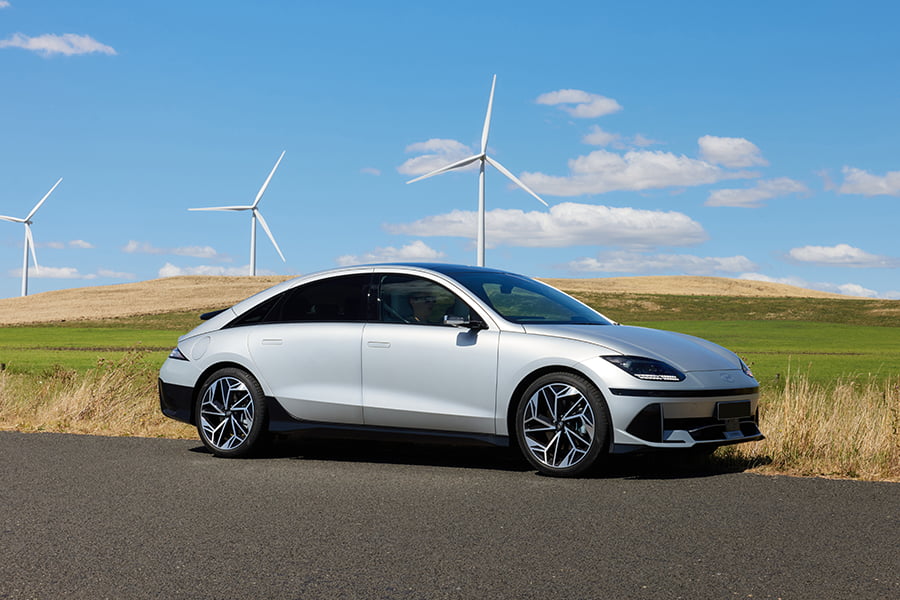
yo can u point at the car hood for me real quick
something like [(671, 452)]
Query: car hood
[(684, 352)]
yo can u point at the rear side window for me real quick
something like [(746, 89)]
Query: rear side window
[(336, 299)]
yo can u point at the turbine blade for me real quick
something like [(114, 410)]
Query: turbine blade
[(38, 205), (487, 118), (29, 239), (514, 179), (11, 219), (224, 208), (268, 231), (451, 166), (262, 190)]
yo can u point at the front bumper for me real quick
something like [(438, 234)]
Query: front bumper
[(650, 426), (709, 418)]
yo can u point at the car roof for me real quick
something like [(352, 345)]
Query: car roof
[(443, 268)]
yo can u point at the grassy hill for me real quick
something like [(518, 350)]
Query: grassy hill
[(625, 299)]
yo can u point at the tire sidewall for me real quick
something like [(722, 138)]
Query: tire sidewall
[(258, 430), (601, 423)]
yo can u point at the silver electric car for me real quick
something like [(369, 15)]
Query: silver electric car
[(457, 352)]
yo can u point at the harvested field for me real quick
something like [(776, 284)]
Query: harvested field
[(203, 293), (687, 285)]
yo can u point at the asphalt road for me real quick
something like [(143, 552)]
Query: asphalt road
[(93, 517)]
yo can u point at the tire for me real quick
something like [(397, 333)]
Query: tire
[(231, 414), (562, 424)]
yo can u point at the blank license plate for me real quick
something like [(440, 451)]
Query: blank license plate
[(732, 410)]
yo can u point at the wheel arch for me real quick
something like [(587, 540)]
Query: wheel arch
[(195, 393), (516, 397)]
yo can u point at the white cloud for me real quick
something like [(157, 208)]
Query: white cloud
[(755, 196), (643, 141), (624, 261), (43, 272), (5, 4), (438, 153), (80, 244), (598, 137), (586, 105), (857, 181), (847, 289), (842, 255), (170, 270), (413, 252), (135, 247), (49, 44), (730, 152), (370, 171), (565, 224), (602, 171)]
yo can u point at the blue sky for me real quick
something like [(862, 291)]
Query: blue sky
[(748, 140)]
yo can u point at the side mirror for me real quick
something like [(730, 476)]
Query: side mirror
[(463, 323)]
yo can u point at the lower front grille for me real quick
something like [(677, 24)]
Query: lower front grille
[(649, 425)]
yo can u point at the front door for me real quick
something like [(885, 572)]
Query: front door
[(419, 373)]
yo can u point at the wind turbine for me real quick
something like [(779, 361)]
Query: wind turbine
[(483, 158), (255, 215), (29, 239)]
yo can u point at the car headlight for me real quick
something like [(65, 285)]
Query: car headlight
[(746, 369), (177, 355), (647, 369)]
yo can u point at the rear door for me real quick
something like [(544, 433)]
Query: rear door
[(307, 349)]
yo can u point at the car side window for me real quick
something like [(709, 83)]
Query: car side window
[(410, 299), (338, 299)]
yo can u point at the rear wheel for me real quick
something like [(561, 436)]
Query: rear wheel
[(562, 424), (231, 413)]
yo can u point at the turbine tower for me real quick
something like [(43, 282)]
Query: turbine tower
[(29, 239), (483, 158), (255, 215)]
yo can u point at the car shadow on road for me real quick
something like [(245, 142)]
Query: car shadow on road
[(672, 465), (436, 453)]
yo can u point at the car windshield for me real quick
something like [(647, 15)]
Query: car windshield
[(523, 300)]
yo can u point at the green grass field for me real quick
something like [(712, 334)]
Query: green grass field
[(821, 339), (820, 351)]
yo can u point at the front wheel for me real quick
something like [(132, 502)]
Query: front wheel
[(231, 413), (562, 424)]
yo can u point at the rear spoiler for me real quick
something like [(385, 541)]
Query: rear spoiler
[(209, 315)]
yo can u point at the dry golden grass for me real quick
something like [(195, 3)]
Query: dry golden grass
[(158, 296), (688, 285), (115, 399), (849, 430)]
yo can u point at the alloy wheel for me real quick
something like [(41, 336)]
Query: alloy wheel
[(558, 425), (226, 413)]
